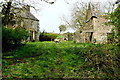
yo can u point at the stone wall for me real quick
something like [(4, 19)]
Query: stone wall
[(79, 37), (100, 29), (94, 31)]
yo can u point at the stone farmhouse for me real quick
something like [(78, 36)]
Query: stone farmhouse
[(24, 18), (94, 30)]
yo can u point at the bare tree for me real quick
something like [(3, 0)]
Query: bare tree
[(78, 15), (80, 10)]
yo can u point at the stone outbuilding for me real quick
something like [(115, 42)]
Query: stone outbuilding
[(95, 30)]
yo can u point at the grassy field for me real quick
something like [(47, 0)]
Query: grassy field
[(62, 60)]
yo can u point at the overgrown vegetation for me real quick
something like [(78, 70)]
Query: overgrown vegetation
[(115, 20), (63, 60), (12, 37)]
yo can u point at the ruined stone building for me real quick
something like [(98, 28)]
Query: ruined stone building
[(94, 30), (24, 18), (68, 36)]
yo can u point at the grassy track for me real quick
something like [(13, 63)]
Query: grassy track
[(63, 60)]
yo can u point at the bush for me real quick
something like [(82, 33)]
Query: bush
[(12, 36), (44, 36), (115, 20), (60, 36), (101, 61)]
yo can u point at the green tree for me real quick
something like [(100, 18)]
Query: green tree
[(115, 20), (62, 28)]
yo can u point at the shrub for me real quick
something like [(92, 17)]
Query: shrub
[(101, 62), (60, 36), (115, 20), (12, 36)]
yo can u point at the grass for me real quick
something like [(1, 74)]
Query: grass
[(62, 60)]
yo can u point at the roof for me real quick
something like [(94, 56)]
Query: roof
[(26, 13), (29, 15), (91, 18)]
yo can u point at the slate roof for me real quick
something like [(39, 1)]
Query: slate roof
[(25, 14), (91, 18), (29, 15)]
